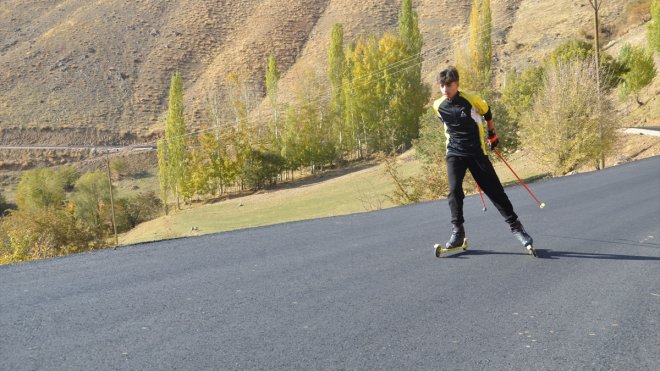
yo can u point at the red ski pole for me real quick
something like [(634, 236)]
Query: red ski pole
[(481, 195), (541, 204)]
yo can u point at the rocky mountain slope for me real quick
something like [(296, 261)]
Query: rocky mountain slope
[(98, 72)]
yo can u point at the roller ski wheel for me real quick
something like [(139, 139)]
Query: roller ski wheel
[(440, 249), (531, 251), (525, 239)]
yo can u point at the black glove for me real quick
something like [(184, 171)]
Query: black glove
[(492, 140)]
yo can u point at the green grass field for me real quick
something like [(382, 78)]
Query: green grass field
[(358, 191)]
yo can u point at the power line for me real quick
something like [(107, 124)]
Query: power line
[(364, 80), (393, 69)]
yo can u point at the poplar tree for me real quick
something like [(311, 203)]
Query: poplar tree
[(414, 93), (272, 79), (653, 27), (474, 63), (337, 65), (366, 99), (175, 131), (409, 29), (485, 46), (352, 141), (163, 174)]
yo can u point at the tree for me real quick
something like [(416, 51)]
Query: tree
[(119, 167), (163, 173), (567, 125), (272, 79), (575, 50), (413, 93), (262, 169), (364, 100), (485, 58), (201, 179), (474, 63), (409, 30), (175, 139), (386, 103), (241, 136), (653, 27), (314, 131), (520, 90), (92, 200), (517, 98), (69, 175), (41, 188), (292, 148), (351, 121), (640, 70), (336, 67)]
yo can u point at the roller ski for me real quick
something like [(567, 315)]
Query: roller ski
[(457, 241), (524, 238)]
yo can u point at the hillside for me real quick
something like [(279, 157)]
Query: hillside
[(81, 72)]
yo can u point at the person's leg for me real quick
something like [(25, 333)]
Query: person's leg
[(485, 175), (456, 167)]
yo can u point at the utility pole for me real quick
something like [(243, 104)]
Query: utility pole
[(112, 199), (595, 4)]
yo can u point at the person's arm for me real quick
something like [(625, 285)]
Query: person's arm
[(491, 126), (492, 139)]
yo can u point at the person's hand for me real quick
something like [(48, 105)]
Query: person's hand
[(492, 141)]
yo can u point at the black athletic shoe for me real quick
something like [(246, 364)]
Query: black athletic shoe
[(520, 233), (457, 238)]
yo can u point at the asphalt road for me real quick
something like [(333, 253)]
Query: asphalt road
[(364, 292)]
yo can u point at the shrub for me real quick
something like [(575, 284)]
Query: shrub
[(262, 168), (69, 176), (431, 143), (3, 204), (119, 168), (43, 233), (92, 202), (568, 126), (520, 90), (132, 211), (430, 185), (39, 189), (640, 70)]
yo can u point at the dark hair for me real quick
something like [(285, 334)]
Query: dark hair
[(447, 76)]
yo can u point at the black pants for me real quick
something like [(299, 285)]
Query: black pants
[(483, 172)]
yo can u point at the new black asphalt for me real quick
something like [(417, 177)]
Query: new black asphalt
[(364, 292)]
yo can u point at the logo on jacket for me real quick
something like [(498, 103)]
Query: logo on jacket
[(463, 114)]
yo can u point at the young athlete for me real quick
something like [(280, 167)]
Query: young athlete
[(463, 116)]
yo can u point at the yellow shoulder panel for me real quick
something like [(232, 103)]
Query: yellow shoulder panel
[(479, 104), (437, 103)]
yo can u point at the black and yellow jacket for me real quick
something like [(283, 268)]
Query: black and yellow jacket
[(464, 119)]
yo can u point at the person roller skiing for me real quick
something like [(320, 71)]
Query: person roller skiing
[(463, 116)]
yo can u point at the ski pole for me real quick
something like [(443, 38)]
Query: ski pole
[(481, 195), (541, 204)]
